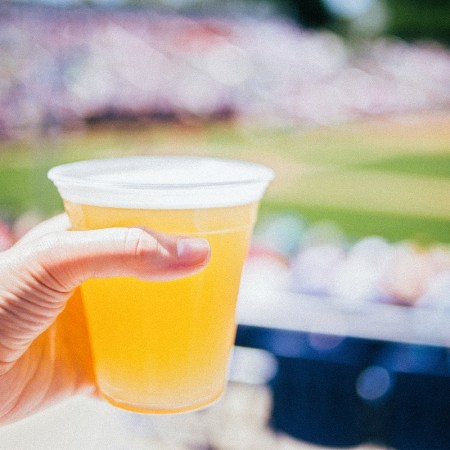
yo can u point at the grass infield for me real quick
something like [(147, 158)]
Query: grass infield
[(385, 177)]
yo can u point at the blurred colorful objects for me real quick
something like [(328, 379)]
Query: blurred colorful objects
[(6, 236), (328, 264), (11, 232), (65, 67)]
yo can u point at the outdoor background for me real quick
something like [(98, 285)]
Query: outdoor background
[(353, 118), (348, 102)]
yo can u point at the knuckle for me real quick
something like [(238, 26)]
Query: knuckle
[(139, 244)]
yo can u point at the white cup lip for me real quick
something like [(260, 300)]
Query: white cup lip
[(64, 173), (231, 182)]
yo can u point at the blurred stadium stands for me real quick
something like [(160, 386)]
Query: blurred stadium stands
[(64, 67)]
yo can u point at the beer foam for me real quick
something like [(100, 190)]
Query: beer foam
[(161, 182)]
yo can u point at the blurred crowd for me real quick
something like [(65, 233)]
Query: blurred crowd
[(320, 260), (63, 67)]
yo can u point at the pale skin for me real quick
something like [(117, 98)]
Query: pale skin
[(44, 345)]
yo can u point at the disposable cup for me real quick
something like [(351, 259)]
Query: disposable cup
[(164, 346)]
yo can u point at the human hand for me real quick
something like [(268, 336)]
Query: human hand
[(44, 345)]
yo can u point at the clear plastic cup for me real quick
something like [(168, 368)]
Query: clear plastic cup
[(163, 347)]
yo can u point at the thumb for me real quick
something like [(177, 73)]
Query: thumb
[(37, 276), (71, 257)]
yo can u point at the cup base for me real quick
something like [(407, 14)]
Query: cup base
[(141, 409)]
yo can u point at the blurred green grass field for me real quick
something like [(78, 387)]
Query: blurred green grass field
[(387, 177)]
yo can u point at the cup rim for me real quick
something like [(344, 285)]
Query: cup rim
[(60, 176), (93, 182)]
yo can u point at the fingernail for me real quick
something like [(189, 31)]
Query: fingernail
[(192, 250)]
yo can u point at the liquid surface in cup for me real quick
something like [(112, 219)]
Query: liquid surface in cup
[(164, 346)]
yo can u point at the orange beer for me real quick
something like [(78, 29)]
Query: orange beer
[(163, 347)]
